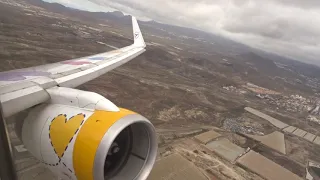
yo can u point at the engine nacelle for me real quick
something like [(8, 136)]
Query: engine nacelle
[(95, 142)]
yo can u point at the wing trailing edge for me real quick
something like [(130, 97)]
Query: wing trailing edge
[(31, 87)]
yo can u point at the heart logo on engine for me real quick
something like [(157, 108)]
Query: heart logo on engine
[(62, 131)]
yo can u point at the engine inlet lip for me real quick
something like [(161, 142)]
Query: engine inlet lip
[(110, 136)]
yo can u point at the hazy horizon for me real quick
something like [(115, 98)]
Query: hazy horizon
[(287, 28)]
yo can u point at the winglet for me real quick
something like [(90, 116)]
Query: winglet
[(137, 36)]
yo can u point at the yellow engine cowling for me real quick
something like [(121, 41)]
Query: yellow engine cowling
[(85, 144)]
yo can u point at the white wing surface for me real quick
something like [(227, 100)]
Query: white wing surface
[(24, 88)]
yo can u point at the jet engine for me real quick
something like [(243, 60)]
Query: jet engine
[(82, 135)]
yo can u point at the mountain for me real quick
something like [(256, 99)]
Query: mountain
[(200, 42), (158, 28), (76, 13)]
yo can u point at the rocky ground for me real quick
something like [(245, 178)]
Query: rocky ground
[(179, 82)]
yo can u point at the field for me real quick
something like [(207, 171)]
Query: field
[(187, 80)]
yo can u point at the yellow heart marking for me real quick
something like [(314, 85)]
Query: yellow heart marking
[(62, 131)]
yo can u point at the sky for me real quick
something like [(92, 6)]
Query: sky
[(286, 27)]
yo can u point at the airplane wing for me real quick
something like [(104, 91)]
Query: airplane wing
[(24, 88)]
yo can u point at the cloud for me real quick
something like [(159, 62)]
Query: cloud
[(287, 27)]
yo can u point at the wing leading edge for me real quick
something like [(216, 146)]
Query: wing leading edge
[(24, 88)]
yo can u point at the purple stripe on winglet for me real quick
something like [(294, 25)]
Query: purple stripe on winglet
[(76, 62), (20, 75)]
